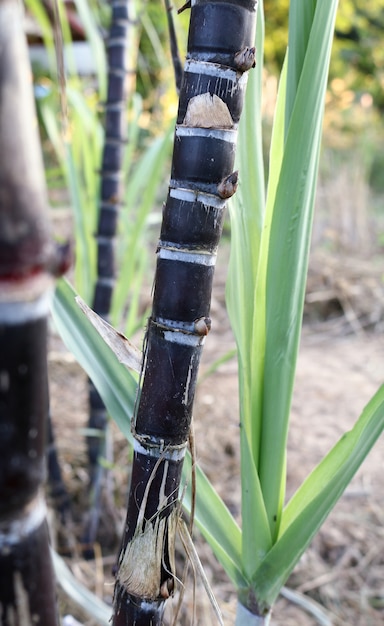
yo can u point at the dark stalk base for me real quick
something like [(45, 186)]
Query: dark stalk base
[(132, 611)]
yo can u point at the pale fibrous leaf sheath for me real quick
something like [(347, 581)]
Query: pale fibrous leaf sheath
[(126, 352), (140, 567), (207, 111), (141, 562)]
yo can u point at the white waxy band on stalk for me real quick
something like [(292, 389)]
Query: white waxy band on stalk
[(160, 450), (189, 195), (18, 312), (229, 136), (213, 69), (176, 336), (148, 606), (185, 256), (29, 519), (109, 282), (188, 327)]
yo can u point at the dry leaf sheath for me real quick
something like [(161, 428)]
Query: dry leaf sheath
[(202, 178)]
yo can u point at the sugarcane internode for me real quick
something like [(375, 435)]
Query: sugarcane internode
[(220, 51)]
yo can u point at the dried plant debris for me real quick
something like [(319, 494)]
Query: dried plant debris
[(125, 351), (207, 111), (346, 292)]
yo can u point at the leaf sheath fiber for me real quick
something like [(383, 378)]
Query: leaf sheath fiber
[(220, 52), (27, 261)]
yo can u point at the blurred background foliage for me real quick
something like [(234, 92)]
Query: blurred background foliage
[(353, 129), (358, 56)]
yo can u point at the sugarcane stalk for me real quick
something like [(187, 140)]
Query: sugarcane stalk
[(120, 75), (220, 51), (28, 261)]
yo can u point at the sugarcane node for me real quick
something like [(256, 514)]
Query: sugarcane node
[(227, 187), (202, 326), (245, 59), (207, 111)]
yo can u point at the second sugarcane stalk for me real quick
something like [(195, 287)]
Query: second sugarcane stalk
[(111, 192), (220, 52), (28, 261)]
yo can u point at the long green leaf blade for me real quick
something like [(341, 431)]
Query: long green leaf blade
[(80, 595), (288, 256), (95, 40), (256, 536), (314, 500), (301, 15), (247, 213)]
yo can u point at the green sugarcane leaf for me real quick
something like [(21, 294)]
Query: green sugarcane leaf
[(39, 13), (316, 497), (341, 463), (215, 522), (95, 40), (247, 211), (151, 30), (68, 50), (116, 385), (47, 110), (79, 160), (256, 536), (84, 267), (135, 318), (80, 595), (287, 249), (276, 152), (301, 16)]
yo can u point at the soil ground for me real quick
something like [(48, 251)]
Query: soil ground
[(340, 366)]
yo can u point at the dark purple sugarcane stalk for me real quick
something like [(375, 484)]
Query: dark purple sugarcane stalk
[(220, 51), (111, 192), (28, 261)]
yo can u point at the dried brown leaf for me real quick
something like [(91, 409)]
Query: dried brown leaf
[(125, 351)]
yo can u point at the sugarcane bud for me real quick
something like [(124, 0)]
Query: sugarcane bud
[(202, 326), (245, 59), (207, 111), (167, 588), (228, 185), (61, 260)]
